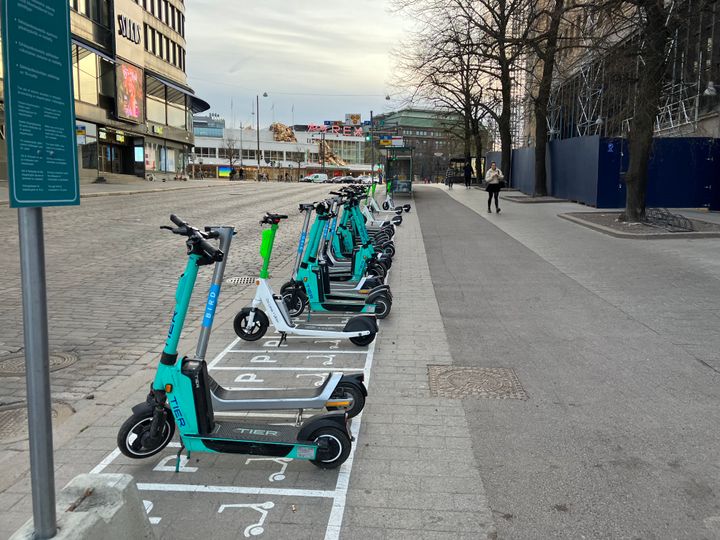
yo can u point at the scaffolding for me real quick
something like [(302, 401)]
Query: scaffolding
[(598, 97)]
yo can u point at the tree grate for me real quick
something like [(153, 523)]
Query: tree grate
[(13, 365), (240, 280), (466, 382)]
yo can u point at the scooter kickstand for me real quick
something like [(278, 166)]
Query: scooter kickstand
[(179, 455), (298, 418), (283, 339)]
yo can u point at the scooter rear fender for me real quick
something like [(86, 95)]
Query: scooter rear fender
[(355, 379), (334, 419)]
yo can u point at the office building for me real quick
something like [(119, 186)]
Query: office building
[(132, 102)]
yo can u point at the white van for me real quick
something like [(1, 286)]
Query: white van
[(317, 177)]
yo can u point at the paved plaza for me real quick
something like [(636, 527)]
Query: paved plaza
[(536, 379)]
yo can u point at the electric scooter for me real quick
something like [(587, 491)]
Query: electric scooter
[(180, 396), (339, 391), (251, 323), (311, 285)]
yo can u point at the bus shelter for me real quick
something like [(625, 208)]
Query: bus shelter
[(399, 168)]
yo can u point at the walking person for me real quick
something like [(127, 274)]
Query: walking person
[(448, 177), (467, 172), (495, 179)]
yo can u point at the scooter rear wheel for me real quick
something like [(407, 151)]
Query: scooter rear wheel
[(133, 436), (382, 306), (345, 391), (333, 447), (295, 302), (260, 324)]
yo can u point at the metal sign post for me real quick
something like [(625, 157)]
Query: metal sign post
[(42, 170)]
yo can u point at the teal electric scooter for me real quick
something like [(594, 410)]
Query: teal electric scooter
[(180, 394)]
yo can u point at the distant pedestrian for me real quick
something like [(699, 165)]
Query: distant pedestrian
[(495, 179), (448, 177), (467, 172)]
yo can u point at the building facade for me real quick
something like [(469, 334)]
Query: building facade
[(432, 137), (132, 102), (223, 152)]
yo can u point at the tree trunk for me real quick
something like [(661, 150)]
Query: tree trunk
[(543, 97), (647, 96), (478, 151), (504, 122)]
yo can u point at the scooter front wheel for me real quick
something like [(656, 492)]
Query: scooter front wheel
[(258, 328), (134, 439), (333, 447)]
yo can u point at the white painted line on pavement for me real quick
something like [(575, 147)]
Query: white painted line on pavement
[(197, 488), (223, 353), (343, 482), (255, 368), (286, 351), (100, 467)]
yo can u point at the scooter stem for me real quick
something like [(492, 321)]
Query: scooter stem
[(226, 234), (268, 238)]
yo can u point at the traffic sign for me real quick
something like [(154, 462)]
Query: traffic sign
[(39, 104)]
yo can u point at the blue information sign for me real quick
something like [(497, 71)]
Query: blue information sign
[(39, 103)]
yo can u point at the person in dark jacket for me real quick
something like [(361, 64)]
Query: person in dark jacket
[(467, 172)]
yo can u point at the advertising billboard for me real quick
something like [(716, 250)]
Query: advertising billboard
[(353, 119), (130, 93)]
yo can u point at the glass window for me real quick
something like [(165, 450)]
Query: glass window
[(249, 154), (156, 110), (87, 76), (176, 116)]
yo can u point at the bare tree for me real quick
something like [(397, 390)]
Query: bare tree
[(230, 151), (440, 66), (491, 37)]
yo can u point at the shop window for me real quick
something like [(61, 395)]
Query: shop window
[(85, 75), (156, 110), (176, 116)]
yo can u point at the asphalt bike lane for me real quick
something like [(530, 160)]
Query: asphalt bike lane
[(243, 496)]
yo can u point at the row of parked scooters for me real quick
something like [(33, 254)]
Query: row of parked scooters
[(342, 265)]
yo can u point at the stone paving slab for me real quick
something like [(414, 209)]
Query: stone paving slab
[(612, 339)]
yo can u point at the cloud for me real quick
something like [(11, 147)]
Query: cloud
[(334, 49)]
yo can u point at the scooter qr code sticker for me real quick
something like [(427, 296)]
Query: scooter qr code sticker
[(306, 452)]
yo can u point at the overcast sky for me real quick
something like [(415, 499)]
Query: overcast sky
[(326, 57)]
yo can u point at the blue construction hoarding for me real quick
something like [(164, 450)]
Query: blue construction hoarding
[(684, 172)]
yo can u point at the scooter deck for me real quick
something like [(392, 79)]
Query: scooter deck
[(256, 439)]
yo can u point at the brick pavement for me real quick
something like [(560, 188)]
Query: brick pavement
[(107, 264), (414, 474)]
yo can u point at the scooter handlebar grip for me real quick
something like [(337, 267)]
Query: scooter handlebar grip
[(177, 221)]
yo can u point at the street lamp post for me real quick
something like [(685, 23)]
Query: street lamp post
[(257, 119), (372, 150)]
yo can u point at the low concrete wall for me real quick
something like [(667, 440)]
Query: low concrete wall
[(98, 506)]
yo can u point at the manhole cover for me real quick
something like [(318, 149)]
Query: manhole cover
[(14, 421), (14, 365), (462, 382), (243, 280)]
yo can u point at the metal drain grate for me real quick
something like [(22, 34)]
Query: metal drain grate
[(14, 421), (462, 382), (241, 280), (13, 365)]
